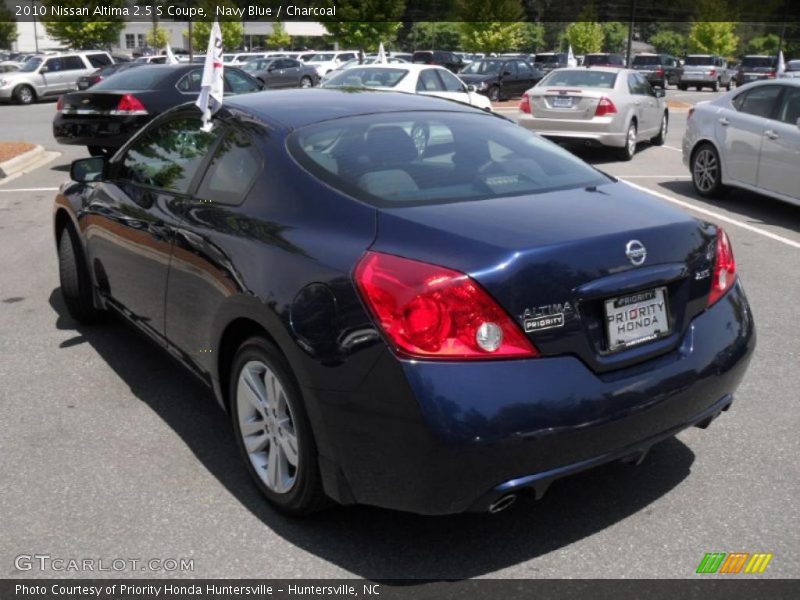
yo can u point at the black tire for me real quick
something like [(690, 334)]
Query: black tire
[(664, 83), (715, 86), (698, 88), (662, 132), (681, 87), (306, 82), (728, 87), (306, 494), (628, 150), (24, 94), (76, 285), (494, 93), (709, 186)]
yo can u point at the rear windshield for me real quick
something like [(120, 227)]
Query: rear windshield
[(758, 61), (418, 56), (597, 59), (141, 78), (646, 60), (582, 78), (699, 60), (427, 158), (367, 78)]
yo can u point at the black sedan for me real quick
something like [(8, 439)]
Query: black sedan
[(282, 73), (106, 115), (435, 325), (501, 79)]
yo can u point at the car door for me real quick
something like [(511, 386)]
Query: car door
[(72, 68), (130, 218), (509, 77), (644, 104), (447, 85), (526, 77), (51, 79), (291, 73), (739, 131), (202, 275), (780, 148)]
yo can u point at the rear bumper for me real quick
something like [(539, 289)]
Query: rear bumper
[(108, 132), (603, 131), (440, 438)]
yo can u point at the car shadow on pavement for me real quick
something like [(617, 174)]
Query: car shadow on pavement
[(754, 208), (374, 543)]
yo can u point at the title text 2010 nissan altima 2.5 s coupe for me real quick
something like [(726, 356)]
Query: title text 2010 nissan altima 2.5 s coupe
[(403, 301)]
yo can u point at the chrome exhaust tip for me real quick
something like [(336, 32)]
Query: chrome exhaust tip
[(502, 504)]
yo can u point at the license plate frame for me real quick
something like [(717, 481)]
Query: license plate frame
[(636, 318), (562, 102)]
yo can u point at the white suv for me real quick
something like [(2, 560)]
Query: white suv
[(325, 62), (50, 75)]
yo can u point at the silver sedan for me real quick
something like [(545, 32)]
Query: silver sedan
[(748, 138), (599, 106)]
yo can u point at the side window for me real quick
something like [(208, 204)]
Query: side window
[(759, 101), (168, 156), (292, 64), (451, 82), (644, 85), (524, 69), (72, 63), (236, 164), (511, 67), (53, 65), (429, 82), (191, 81), (789, 111), (98, 60), (633, 84), (238, 83)]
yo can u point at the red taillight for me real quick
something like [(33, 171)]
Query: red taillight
[(60, 104), (724, 268), (771, 75), (712, 72), (605, 107), (130, 105), (660, 72), (525, 103), (428, 311)]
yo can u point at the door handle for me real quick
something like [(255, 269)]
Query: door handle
[(771, 134), (724, 122)]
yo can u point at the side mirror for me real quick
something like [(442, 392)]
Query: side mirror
[(506, 73), (471, 88), (660, 93), (44, 70), (270, 68), (88, 170)]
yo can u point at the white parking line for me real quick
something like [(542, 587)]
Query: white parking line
[(3, 191), (670, 148), (654, 176), (717, 216)]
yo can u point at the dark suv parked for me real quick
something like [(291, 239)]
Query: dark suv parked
[(603, 59), (754, 68), (448, 60), (661, 70), (547, 61), (501, 78)]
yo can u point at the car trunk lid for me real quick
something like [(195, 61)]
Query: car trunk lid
[(554, 260), (566, 102)]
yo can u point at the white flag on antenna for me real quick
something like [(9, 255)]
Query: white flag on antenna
[(212, 87), (381, 60), (171, 60)]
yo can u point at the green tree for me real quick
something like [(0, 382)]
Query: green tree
[(532, 39), (491, 36), (713, 37), (585, 36), (232, 35), (669, 42), (84, 33), (763, 44), (615, 36), (8, 28), (278, 39), (364, 24), (428, 34), (157, 38)]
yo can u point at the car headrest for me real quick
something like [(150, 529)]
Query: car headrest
[(390, 145)]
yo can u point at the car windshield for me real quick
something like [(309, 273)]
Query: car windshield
[(483, 67), (142, 78), (640, 61), (368, 78), (389, 159), (755, 62), (698, 61), (322, 58), (30, 65), (583, 78)]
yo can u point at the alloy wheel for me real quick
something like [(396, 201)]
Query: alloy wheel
[(630, 142), (267, 426), (705, 170)]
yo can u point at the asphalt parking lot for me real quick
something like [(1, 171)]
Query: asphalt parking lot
[(111, 451)]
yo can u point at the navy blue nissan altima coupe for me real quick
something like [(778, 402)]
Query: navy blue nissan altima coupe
[(403, 301)]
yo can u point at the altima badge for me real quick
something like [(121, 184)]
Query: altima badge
[(636, 252)]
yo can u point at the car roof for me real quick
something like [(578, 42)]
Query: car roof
[(606, 68), (321, 104), (412, 67)]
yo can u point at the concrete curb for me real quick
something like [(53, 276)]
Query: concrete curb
[(21, 162)]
